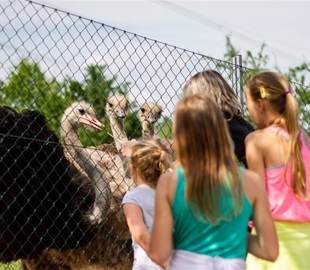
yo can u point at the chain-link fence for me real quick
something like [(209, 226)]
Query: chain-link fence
[(49, 60)]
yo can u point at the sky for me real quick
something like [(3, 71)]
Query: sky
[(202, 26), (65, 46)]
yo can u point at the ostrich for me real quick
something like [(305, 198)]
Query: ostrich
[(81, 114), (105, 155), (111, 247), (149, 115), (45, 202), (116, 109)]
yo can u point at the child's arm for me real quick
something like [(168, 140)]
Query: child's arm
[(161, 242), (127, 147), (264, 244), (136, 224)]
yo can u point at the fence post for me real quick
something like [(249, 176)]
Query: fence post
[(237, 77)]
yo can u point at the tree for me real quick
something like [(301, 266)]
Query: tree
[(164, 129), (28, 88)]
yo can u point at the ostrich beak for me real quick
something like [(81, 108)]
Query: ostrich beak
[(151, 119), (91, 121), (121, 114)]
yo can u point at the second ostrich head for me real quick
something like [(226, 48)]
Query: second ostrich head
[(117, 105), (149, 114), (116, 109)]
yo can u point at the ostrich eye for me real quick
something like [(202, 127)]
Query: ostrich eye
[(111, 105), (142, 110), (82, 111)]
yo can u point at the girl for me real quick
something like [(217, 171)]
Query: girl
[(279, 151), (202, 208), (212, 84), (149, 160)]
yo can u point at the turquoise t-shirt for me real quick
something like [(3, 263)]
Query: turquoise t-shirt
[(228, 239)]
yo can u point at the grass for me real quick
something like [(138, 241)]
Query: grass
[(11, 266)]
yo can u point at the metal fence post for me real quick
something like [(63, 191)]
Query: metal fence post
[(237, 77)]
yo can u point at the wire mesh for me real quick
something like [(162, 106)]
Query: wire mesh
[(49, 60)]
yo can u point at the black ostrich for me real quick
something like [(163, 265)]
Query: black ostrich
[(44, 201)]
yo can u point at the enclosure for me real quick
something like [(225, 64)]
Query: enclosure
[(50, 59)]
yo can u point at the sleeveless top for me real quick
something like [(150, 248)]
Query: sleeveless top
[(284, 205), (228, 239)]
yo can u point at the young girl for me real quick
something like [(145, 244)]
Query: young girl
[(212, 84), (149, 160), (202, 208), (279, 151)]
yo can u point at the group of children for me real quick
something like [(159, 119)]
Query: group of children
[(204, 202)]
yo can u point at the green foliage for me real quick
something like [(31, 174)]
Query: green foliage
[(11, 266), (28, 88), (256, 62), (297, 77), (164, 129)]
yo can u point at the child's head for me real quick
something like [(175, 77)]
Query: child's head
[(150, 159), (273, 92), (203, 148), (212, 84), (200, 131)]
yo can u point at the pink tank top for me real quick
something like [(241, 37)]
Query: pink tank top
[(283, 203)]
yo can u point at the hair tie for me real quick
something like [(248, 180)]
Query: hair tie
[(159, 150), (262, 92), (286, 92)]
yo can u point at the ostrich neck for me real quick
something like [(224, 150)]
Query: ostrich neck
[(147, 130), (117, 126), (82, 157), (96, 174), (70, 138)]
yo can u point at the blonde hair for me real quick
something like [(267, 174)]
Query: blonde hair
[(276, 89), (212, 84), (151, 159), (204, 149)]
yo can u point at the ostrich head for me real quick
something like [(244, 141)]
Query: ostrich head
[(117, 105), (116, 109), (149, 115), (150, 112), (81, 114)]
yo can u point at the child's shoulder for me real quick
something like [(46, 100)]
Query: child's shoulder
[(257, 133), (255, 137), (168, 176), (138, 194), (260, 136)]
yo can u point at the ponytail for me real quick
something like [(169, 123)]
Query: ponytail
[(290, 115)]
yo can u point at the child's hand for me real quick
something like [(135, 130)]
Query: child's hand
[(126, 147)]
